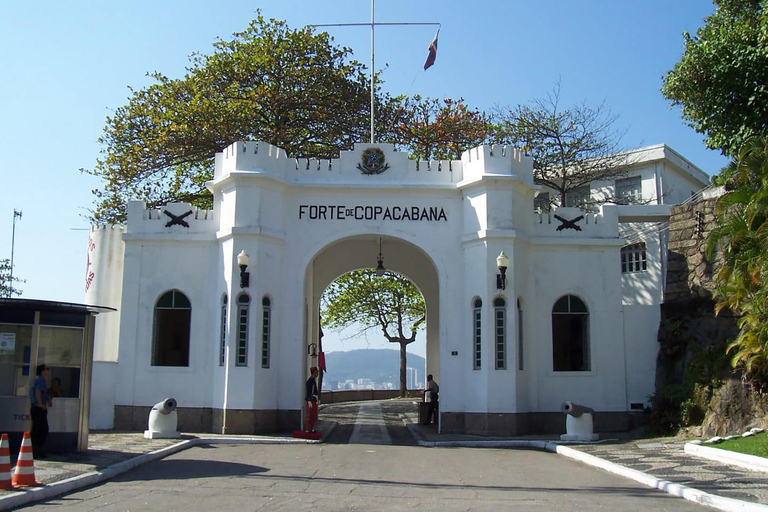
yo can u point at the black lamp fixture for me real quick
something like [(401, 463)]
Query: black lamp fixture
[(380, 267), (501, 278), (312, 350), (242, 261)]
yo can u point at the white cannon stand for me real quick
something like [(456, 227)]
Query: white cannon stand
[(162, 421), (578, 423)]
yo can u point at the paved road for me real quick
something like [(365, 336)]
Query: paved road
[(365, 474)]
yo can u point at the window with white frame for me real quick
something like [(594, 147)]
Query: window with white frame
[(266, 327), (520, 335), (171, 330), (541, 203), (570, 335), (633, 258), (223, 332), (477, 331), (243, 305), (577, 197), (500, 332), (629, 190)]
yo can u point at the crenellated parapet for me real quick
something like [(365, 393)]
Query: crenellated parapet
[(569, 222), (265, 160), (497, 161), (177, 218)]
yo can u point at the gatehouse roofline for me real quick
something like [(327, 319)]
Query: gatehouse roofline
[(269, 160)]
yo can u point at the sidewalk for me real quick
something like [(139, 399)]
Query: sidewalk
[(660, 463)]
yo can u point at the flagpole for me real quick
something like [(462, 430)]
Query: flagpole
[(372, 24), (373, 95)]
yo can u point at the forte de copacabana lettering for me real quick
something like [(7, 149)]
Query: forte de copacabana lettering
[(341, 212)]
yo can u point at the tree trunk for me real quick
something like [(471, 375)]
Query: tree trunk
[(403, 363)]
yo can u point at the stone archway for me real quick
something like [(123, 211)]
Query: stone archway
[(361, 251)]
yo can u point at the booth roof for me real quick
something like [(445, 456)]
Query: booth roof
[(51, 305)]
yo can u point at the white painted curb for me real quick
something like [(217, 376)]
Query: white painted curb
[(737, 459), (681, 491)]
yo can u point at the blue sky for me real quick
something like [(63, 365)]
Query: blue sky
[(65, 66)]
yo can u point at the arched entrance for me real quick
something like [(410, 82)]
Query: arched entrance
[(362, 251)]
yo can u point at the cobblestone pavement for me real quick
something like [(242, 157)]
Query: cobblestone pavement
[(665, 459)]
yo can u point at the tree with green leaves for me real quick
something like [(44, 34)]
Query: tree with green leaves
[(721, 80), (292, 88), (571, 147), (741, 239), (389, 302), (7, 280), (434, 129)]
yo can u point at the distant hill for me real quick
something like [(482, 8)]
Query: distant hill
[(378, 365)]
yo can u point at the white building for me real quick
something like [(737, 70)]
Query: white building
[(568, 324)]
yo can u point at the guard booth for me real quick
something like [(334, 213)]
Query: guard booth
[(59, 335)]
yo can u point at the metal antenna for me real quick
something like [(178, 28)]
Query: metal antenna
[(16, 214), (372, 24)]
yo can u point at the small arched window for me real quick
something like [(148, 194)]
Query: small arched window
[(223, 331), (570, 335), (243, 305), (477, 334), (520, 335), (266, 327), (634, 258), (500, 332), (170, 333)]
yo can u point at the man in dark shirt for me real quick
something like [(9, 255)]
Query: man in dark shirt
[(38, 395), (311, 398)]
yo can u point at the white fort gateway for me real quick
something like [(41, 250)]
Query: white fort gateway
[(576, 318)]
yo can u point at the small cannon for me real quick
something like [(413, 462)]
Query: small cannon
[(162, 420), (578, 422)]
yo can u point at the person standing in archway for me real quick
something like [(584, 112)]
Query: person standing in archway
[(432, 390), (311, 399)]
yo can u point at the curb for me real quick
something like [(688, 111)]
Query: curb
[(54, 489), (679, 490), (743, 460)]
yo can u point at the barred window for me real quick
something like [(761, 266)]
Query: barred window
[(477, 331), (577, 197), (500, 332), (520, 335), (629, 190), (266, 326), (541, 203), (243, 305), (223, 332), (633, 258)]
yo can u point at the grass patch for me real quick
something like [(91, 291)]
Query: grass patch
[(755, 445)]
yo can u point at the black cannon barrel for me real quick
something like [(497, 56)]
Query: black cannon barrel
[(167, 406), (575, 410)]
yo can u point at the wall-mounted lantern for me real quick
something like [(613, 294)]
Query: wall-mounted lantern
[(501, 278), (242, 261)]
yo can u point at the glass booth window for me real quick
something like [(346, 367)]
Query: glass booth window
[(61, 349), (15, 352)]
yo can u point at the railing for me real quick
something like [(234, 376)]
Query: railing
[(360, 395)]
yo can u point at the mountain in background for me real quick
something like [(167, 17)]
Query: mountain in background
[(377, 365)]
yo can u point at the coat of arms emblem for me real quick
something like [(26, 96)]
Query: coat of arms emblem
[(372, 161)]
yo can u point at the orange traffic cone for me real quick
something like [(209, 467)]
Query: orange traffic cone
[(24, 476), (5, 464)]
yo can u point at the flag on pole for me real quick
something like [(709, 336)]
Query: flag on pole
[(432, 52)]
